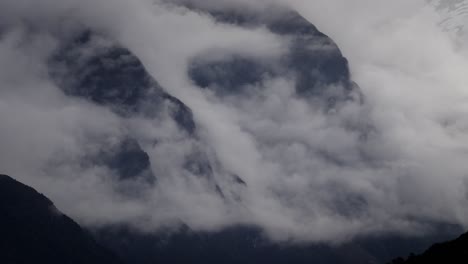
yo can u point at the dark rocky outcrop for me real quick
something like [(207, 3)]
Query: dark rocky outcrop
[(128, 161)]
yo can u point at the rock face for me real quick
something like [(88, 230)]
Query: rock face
[(455, 251), (92, 67), (128, 160), (95, 68), (34, 231), (312, 58)]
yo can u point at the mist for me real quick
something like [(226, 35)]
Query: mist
[(394, 162)]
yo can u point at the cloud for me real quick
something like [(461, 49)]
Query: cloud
[(391, 164)]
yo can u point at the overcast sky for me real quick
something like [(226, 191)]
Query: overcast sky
[(410, 69)]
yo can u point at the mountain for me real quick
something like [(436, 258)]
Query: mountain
[(318, 64), (113, 77), (90, 65), (454, 252), (33, 230)]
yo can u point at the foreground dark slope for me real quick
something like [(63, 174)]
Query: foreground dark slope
[(32, 230), (454, 252)]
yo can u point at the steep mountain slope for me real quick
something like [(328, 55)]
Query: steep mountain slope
[(93, 67), (32, 230), (455, 251)]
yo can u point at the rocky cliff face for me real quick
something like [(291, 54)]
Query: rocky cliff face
[(313, 59), (89, 66)]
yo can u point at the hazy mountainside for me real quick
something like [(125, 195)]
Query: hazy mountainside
[(455, 251), (135, 161), (317, 62), (213, 115), (90, 66), (113, 77), (32, 230)]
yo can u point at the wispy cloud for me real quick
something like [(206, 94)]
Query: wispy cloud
[(392, 163)]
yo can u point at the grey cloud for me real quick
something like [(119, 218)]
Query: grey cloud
[(356, 169)]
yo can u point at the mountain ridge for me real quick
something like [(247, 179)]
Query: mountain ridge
[(453, 251), (33, 230)]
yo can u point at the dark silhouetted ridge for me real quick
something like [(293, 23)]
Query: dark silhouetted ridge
[(452, 252), (32, 230)]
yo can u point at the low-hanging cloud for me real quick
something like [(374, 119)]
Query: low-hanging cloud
[(393, 163)]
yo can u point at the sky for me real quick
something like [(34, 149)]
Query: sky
[(409, 173)]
